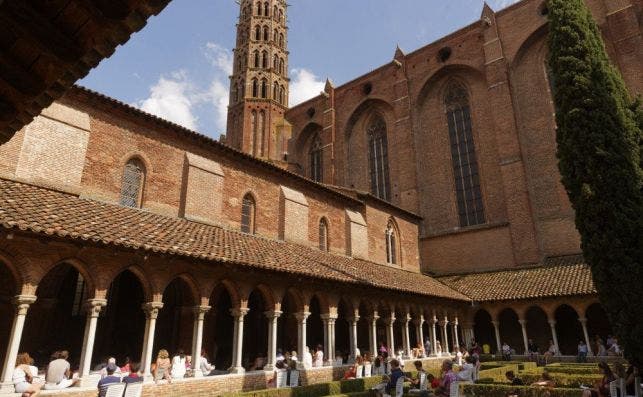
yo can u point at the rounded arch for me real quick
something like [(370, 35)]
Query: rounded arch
[(322, 300), (140, 156), (139, 273), (483, 330), (296, 298), (568, 329), (266, 294), (225, 286)]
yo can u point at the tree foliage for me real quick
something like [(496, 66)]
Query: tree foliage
[(599, 151)]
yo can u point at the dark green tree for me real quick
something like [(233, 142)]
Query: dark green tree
[(599, 136)]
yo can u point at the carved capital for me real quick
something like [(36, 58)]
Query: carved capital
[(94, 306), (151, 309), (582, 320), (522, 322), (199, 311), (22, 303), (273, 314), (239, 313), (302, 316)]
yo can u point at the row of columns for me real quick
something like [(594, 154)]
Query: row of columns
[(151, 309), (554, 335)]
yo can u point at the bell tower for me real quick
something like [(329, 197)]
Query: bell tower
[(259, 81)]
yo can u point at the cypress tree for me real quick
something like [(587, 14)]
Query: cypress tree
[(599, 153)]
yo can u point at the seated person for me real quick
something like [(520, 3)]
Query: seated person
[(23, 376), (448, 379), (545, 381), (351, 373), (110, 379), (389, 381), (59, 374), (204, 364), (415, 382), (433, 381), (513, 379), (162, 367), (112, 361), (506, 352), (466, 371), (602, 388), (133, 376)]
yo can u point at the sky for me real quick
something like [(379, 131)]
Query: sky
[(177, 66)]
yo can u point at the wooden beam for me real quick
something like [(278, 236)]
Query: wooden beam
[(26, 83)]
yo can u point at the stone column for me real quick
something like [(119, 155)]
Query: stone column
[(151, 310), (22, 303), (301, 336), (273, 316), (419, 332), (445, 335), (496, 328), (237, 342), (554, 336), (93, 308), (352, 322), (372, 334), (525, 340), (583, 323), (197, 339), (329, 337), (434, 337), (406, 342), (390, 336), (456, 338)]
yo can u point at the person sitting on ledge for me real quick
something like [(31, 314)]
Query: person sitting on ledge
[(133, 376), (110, 379), (279, 367), (351, 373), (23, 376), (163, 367), (59, 374)]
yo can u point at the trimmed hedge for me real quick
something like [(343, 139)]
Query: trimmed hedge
[(573, 370), (498, 374), (522, 391), (562, 380), (351, 387)]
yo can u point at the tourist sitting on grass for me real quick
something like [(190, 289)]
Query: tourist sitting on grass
[(448, 378), (23, 377), (133, 376), (466, 371), (513, 379), (59, 375), (162, 367), (506, 352), (602, 388), (544, 381), (108, 380), (582, 352)]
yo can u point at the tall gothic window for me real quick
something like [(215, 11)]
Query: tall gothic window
[(274, 12), (264, 59), (323, 235), (253, 128), (264, 88), (255, 88), (316, 160), (258, 8), (266, 33), (132, 184), (257, 33), (266, 9), (391, 244), (261, 133), (256, 56), (275, 91), (248, 209), (281, 40), (463, 156), (378, 158)]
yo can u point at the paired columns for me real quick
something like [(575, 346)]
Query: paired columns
[(406, 343), (434, 338), (197, 339), (390, 338), (237, 340), (554, 336), (93, 308), (301, 336), (273, 316), (151, 310), (352, 323), (525, 340), (22, 303), (372, 334), (583, 323), (445, 338), (456, 339), (329, 337), (419, 321)]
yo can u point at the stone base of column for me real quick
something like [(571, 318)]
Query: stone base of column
[(7, 388), (269, 367), (89, 380), (237, 370)]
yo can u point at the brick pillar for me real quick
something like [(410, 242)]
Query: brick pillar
[(197, 339), (151, 310), (93, 308), (22, 303)]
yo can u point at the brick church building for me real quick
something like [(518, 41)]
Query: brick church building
[(419, 201)]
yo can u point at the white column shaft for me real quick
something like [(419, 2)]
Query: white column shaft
[(22, 303), (525, 340), (583, 323), (554, 336), (496, 328)]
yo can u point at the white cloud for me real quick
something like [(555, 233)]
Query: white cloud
[(219, 56), (218, 96), (171, 99), (303, 86)]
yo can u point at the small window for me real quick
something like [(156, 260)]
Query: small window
[(264, 59), (323, 235), (132, 184), (248, 214), (391, 244)]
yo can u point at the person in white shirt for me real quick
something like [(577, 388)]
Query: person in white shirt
[(307, 358), (319, 357), (466, 371), (506, 352), (204, 365), (179, 365)]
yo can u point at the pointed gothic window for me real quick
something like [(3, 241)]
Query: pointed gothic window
[(282, 66), (391, 243), (323, 235), (274, 12), (281, 15), (281, 40), (256, 56), (275, 91), (255, 88), (266, 9), (258, 8), (132, 183), (266, 33), (378, 158), (315, 155), (261, 133), (257, 33), (264, 88), (463, 156), (264, 60), (253, 128), (282, 95), (275, 63), (248, 209)]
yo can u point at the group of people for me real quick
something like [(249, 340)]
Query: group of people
[(602, 388), (28, 381)]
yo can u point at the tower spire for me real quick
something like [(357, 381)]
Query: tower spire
[(259, 82)]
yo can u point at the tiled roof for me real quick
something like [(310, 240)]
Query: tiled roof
[(562, 276), (41, 211)]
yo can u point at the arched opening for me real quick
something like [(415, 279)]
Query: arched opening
[(568, 330), (426, 332), (598, 325), (314, 325), (122, 322), (264, 60), (323, 235), (133, 183), (248, 209), (413, 336), (392, 243), (257, 33), (56, 321), (175, 322), (380, 327), (266, 33), (255, 87), (363, 325), (342, 331), (398, 332), (287, 326), (255, 333), (510, 330), (378, 158), (484, 331), (7, 311), (218, 329), (538, 329)]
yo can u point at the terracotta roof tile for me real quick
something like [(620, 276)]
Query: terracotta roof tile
[(42, 211), (561, 276)]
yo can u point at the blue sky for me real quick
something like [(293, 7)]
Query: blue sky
[(177, 66)]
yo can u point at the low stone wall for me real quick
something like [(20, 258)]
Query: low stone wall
[(217, 385)]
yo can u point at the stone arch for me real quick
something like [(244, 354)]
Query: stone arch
[(266, 294), (175, 321), (291, 304), (145, 283), (219, 324), (190, 281), (510, 329), (483, 330), (225, 286), (303, 144), (83, 268), (568, 329), (538, 329), (255, 335), (598, 325)]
